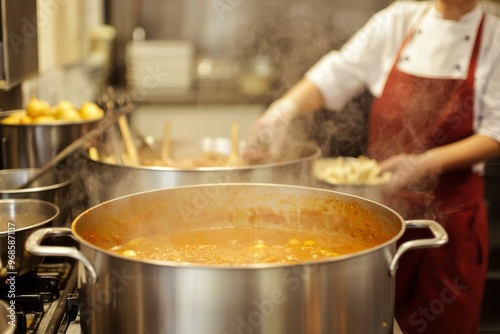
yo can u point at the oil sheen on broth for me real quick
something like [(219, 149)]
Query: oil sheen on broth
[(239, 246)]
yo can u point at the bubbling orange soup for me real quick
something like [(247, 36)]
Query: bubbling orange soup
[(239, 246)]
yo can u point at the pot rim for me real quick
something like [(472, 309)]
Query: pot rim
[(32, 171), (54, 207), (252, 266)]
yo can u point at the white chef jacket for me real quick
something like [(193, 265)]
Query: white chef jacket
[(439, 49)]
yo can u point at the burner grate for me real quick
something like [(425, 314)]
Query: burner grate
[(38, 294)]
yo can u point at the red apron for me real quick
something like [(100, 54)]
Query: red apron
[(438, 290)]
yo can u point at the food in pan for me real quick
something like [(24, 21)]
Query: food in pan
[(41, 112), (208, 159), (354, 171), (90, 110), (187, 154), (239, 246), (18, 117)]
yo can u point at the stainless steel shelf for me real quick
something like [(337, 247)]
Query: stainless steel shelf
[(197, 96)]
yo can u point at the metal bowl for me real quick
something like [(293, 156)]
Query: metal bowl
[(52, 186), (33, 145), (19, 218)]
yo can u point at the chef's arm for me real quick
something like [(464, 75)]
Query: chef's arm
[(306, 97), (411, 169), (268, 135), (464, 153)]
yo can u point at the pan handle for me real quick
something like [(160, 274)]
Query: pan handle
[(33, 245), (440, 238)]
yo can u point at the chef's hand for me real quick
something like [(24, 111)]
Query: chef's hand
[(267, 136), (412, 171)]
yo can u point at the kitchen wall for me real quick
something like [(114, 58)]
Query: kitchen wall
[(293, 34), (288, 35), (239, 38)]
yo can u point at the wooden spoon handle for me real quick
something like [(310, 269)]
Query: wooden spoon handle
[(128, 140), (165, 147)]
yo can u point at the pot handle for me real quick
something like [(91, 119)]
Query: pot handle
[(33, 245), (440, 238)]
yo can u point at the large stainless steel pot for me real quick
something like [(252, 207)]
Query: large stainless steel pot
[(33, 145), (19, 218), (105, 180), (352, 293)]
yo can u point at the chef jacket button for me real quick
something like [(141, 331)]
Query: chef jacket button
[(467, 37), (457, 67), (419, 31), (406, 58)]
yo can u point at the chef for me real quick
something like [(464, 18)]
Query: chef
[(434, 70)]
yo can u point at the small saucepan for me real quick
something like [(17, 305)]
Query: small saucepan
[(19, 218)]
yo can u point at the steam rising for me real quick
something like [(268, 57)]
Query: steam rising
[(292, 35), (294, 40)]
